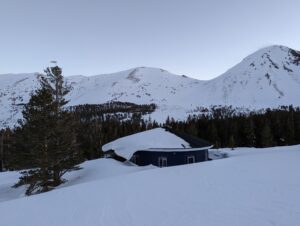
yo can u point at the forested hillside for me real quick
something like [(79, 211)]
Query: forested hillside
[(222, 126)]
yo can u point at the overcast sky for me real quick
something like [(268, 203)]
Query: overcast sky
[(198, 38)]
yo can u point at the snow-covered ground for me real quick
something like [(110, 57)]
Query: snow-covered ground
[(90, 171), (251, 187)]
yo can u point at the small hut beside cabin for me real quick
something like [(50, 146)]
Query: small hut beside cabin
[(160, 147)]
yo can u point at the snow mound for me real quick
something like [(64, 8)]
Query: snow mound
[(90, 171), (154, 138)]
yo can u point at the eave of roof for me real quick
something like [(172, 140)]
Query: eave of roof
[(178, 149)]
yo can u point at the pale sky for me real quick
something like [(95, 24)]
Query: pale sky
[(201, 39)]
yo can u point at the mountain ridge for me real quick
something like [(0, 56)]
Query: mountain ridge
[(269, 77)]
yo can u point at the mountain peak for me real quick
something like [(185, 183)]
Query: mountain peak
[(149, 69), (279, 53), (268, 60), (271, 51), (267, 77)]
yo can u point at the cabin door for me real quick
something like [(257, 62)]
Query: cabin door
[(162, 162)]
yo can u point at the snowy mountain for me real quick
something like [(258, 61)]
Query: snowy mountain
[(267, 78), (15, 90)]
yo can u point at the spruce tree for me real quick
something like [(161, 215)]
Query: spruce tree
[(65, 152), (249, 133), (231, 142), (266, 136), (36, 134), (50, 131), (214, 136), (290, 126)]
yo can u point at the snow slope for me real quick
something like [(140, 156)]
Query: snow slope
[(15, 89), (139, 85), (90, 171), (252, 187), (267, 78)]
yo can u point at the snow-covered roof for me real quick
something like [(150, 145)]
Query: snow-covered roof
[(153, 140)]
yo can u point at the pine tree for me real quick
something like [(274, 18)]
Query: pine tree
[(50, 131), (214, 136), (290, 128), (35, 132), (65, 153), (266, 136), (249, 133), (231, 142)]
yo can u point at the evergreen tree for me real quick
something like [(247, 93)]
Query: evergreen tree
[(36, 133), (50, 131), (215, 136), (249, 133), (290, 128), (231, 142), (266, 136)]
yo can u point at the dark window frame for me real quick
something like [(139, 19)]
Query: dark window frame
[(193, 157), (162, 161)]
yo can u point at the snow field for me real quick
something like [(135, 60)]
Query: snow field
[(251, 187)]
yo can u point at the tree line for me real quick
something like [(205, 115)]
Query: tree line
[(222, 127), (225, 127), (92, 128)]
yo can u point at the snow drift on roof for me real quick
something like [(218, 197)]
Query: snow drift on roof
[(154, 138)]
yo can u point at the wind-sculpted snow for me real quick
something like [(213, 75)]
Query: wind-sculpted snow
[(252, 187), (269, 77)]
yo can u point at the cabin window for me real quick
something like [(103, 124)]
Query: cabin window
[(162, 162), (135, 159), (191, 159)]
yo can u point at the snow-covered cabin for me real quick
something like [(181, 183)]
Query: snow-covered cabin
[(160, 147)]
